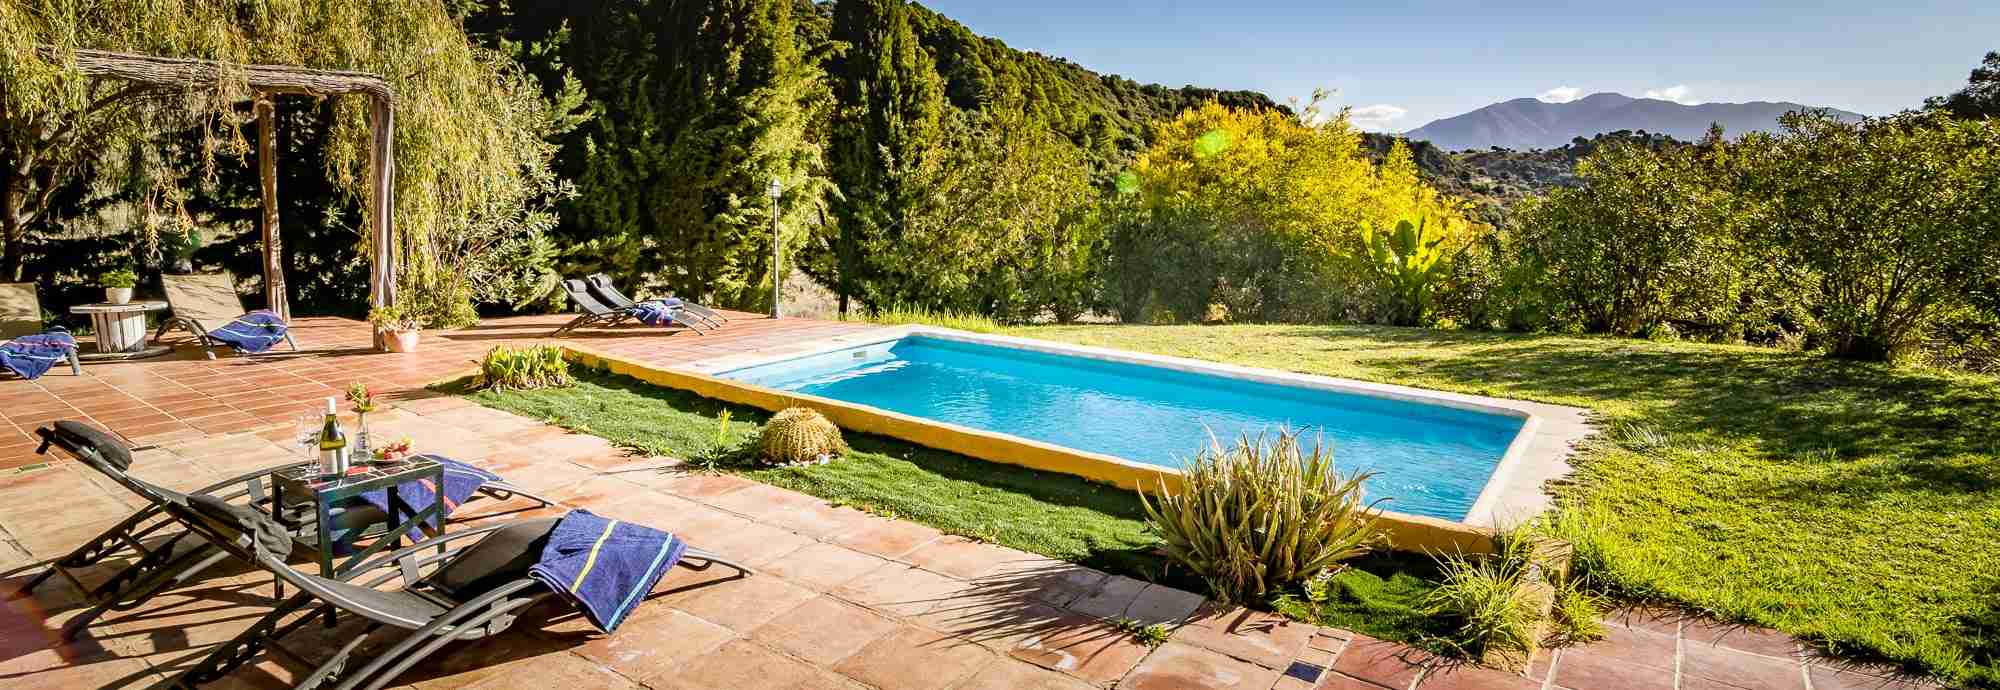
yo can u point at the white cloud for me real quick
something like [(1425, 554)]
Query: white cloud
[(1677, 93), (1376, 116), (1561, 94)]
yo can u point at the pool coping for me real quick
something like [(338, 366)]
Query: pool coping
[(1513, 492)]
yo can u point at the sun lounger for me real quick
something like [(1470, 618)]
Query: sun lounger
[(608, 292), (162, 555), (207, 305), (30, 351), (462, 586), (594, 312)]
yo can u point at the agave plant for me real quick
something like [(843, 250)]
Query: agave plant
[(1257, 518)]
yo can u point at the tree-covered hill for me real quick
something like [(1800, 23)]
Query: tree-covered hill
[(1105, 113)]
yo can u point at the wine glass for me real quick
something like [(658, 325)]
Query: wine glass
[(307, 426)]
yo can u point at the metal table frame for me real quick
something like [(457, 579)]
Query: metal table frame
[(325, 493)]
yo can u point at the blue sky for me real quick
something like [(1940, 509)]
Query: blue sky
[(1401, 65)]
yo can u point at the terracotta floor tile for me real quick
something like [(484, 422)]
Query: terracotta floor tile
[(645, 647), (900, 590), (913, 658), (1471, 677), (824, 630), (1174, 666), (1110, 598), (746, 666), (1089, 650), (1265, 638), (1383, 662), (820, 566), (743, 605), (1741, 669), (1824, 678), (1578, 669), (889, 538), (1014, 675)]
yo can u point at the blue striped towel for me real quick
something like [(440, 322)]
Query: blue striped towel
[(605, 567), (30, 356), (655, 313), (254, 332), (460, 481)]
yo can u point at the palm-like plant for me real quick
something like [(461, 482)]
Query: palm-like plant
[(1258, 517)]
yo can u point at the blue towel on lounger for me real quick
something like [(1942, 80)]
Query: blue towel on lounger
[(30, 356), (655, 313), (605, 567), (254, 332), (460, 481)]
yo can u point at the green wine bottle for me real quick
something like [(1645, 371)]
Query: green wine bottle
[(333, 459)]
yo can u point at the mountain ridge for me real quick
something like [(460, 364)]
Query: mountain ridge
[(1525, 124)]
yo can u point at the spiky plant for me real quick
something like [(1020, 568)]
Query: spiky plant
[(800, 436), (533, 366), (1257, 518)]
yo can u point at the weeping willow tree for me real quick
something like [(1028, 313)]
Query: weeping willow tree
[(472, 191)]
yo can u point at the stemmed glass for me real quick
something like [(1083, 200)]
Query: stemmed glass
[(307, 427)]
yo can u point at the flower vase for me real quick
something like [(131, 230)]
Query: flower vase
[(361, 451)]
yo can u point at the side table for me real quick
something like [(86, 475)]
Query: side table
[(303, 484), (121, 330)]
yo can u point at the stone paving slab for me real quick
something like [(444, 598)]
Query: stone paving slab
[(843, 599)]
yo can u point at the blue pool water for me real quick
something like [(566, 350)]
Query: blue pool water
[(1433, 460)]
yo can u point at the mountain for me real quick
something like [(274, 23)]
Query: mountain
[(1527, 123)]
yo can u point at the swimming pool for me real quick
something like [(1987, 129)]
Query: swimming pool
[(1433, 459)]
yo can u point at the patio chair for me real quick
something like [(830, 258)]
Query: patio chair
[(461, 586), (202, 303), (594, 312), (164, 557), (21, 320), (608, 292)]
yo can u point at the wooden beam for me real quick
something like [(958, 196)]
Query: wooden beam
[(267, 176), (191, 72)]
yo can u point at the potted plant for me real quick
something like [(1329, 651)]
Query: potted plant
[(118, 285), (399, 324)]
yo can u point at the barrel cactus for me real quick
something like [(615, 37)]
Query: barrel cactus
[(800, 436)]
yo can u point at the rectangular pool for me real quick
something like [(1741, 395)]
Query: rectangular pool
[(1432, 459)]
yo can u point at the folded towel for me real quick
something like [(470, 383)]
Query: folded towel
[(655, 313), (605, 567), (254, 332), (460, 481), (30, 356)]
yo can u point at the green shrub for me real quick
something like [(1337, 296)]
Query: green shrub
[(800, 436), (526, 368), (1258, 518)]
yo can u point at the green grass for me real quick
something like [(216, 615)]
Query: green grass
[(1854, 505), (1050, 514), (895, 316)]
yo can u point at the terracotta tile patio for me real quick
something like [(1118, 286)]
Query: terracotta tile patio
[(843, 599)]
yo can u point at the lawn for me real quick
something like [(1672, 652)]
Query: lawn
[(1055, 515), (1854, 505)]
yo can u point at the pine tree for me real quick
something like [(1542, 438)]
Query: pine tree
[(890, 101), (704, 103)]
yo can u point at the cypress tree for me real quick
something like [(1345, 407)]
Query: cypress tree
[(702, 104), (890, 101)]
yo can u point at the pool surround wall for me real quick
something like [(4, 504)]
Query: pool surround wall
[(1406, 532)]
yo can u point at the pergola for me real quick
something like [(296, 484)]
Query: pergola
[(267, 81)]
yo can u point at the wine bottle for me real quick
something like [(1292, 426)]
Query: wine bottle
[(333, 459)]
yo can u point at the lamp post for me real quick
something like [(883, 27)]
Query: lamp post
[(777, 272)]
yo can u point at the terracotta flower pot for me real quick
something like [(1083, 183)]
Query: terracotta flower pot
[(403, 341), (118, 295)]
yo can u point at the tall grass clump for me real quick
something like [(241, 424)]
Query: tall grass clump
[(901, 315), (1258, 518), (1501, 607), (535, 366)]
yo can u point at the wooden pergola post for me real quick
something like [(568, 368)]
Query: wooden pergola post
[(268, 81), (267, 177)]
